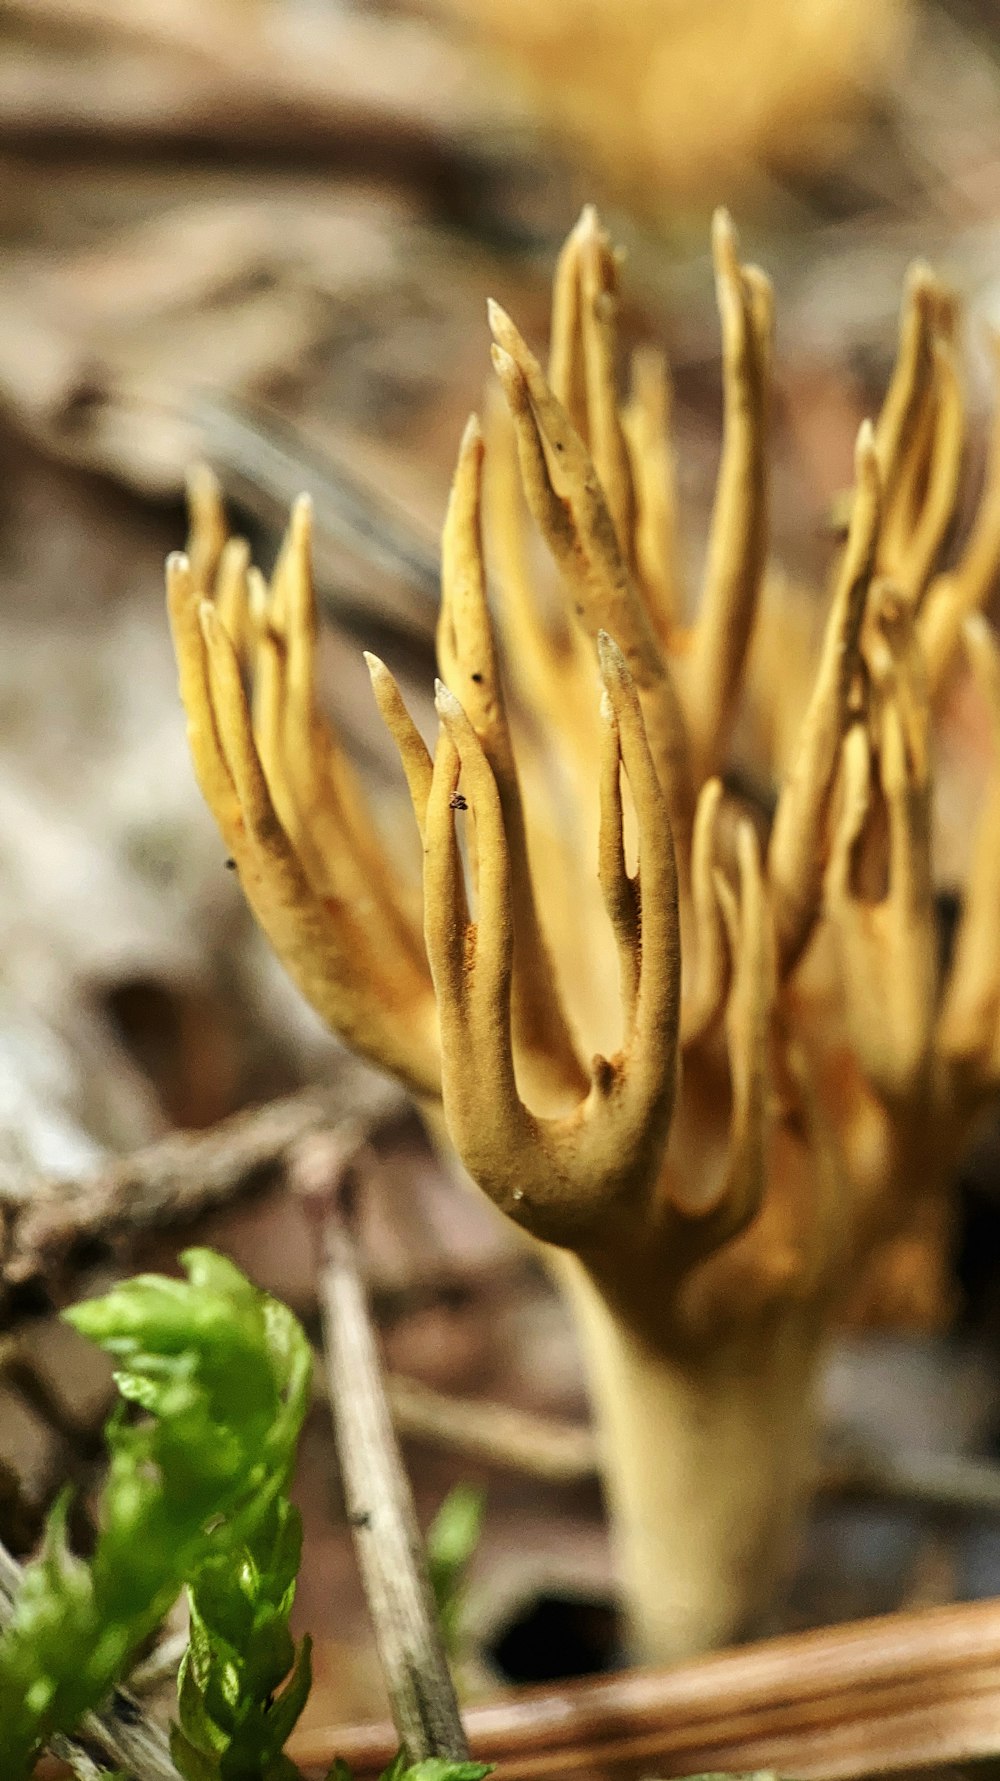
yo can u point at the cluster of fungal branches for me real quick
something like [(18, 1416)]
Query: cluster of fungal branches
[(706, 1053)]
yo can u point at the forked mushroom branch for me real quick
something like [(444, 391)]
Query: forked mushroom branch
[(711, 1068)]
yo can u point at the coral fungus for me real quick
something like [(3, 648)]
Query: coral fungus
[(745, 1111)]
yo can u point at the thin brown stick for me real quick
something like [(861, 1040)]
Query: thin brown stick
[(541, 1446), (376, 1489), (175, 1177), (948, 1483)]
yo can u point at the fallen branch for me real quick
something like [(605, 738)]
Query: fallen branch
[(176, 1177), (909, 1691), (949, 1483)]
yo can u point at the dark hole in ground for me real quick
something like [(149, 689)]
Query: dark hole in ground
[(552, 1637)]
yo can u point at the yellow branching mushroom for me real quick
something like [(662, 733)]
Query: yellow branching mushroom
[(712, 1068)]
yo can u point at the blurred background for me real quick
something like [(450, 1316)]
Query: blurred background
[(262, 232)]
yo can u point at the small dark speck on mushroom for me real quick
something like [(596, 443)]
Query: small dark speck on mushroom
[(457, 801), (230, 865), (477, 678)]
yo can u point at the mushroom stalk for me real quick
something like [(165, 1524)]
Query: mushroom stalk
[(707, 1456)]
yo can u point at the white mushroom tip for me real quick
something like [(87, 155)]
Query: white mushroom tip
[(445, 702)]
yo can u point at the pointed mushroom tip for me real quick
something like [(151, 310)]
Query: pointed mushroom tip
[(864, 448), (588, 222), (375, 665), (760, 280), (921, 279), (980, 642), (725, 255), (499, 320), (472, 434), (609, 655), (208, 618), (503, 364), (976, 627), (445, 703), (201, 485), (711, 792), (747, 844), (178, 563), (856, 737), (723, 233), (300, 520)]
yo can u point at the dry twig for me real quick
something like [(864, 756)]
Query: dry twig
[(175, 1178), (541, 1446), (376, 1489)]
